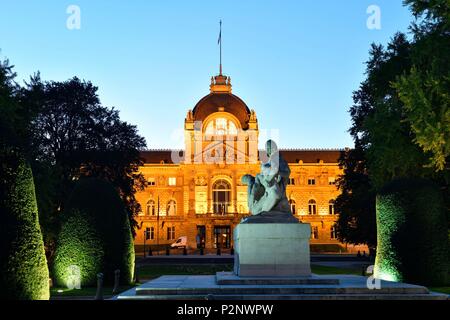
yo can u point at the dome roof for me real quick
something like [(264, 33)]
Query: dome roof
[(224, 102)]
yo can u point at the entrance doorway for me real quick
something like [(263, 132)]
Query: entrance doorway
[(222, 237), (201, 236)]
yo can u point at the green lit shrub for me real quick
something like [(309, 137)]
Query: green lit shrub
[(23, 265), (412, 233), (79, 245), (95, 235)]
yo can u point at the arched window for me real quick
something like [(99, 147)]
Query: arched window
[(221, 126), (292, 204), (312, 207), (171, 208), (331, 207), (150, 211), (221, 196)]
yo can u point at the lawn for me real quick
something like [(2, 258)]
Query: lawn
[(334, 270), (145, 273), (440, 289), (148, 272), (84, 292)]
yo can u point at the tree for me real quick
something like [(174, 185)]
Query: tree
[(356, 203), (95, 235), (388, 144), (435, 12), (400, 117), (424, 89), (382, 149), (73, 136), (427, 103), (23, 265)]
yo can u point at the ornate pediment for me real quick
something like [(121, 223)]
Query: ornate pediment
[(200, 181)]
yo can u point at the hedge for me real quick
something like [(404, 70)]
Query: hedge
[(79, 245), (23, 266), (95, 235), (412, 233)]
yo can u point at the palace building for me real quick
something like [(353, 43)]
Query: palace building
[(197, 192)]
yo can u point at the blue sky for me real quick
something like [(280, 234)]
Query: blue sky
[(295, 62)]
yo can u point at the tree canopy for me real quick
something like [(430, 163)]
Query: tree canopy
[(65, 133), (73, 135), (400, 118)]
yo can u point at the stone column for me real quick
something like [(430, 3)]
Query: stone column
[(234, 191), (209, 196)]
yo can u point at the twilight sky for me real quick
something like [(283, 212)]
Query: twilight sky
[(295, 62)]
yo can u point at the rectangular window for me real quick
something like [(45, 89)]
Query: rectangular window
[(311, 181), (172, 181), (150, 233), (291, 181), (315, 232), (171, 233), (333, 233), (151, 181)]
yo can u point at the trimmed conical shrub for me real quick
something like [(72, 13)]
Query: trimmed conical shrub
[(412, 233), (80, 247), (23, 265), (95, 236)]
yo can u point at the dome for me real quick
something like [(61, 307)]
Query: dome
[(222, 102)]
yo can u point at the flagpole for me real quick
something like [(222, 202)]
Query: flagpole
[(220, 42)]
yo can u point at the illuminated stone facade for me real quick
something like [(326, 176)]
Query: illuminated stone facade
[(198, 191)]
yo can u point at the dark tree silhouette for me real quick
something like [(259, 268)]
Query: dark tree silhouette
[(399, 119), (72, 135), (356, 204)]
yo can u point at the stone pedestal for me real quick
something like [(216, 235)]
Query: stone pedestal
[(272, 249)]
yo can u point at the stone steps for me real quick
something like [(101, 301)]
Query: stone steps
[(282, 290), (206, 288), (430, 296), (228, 278)]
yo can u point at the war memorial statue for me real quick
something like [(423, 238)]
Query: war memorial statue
[(272, 241), (267, 199)]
